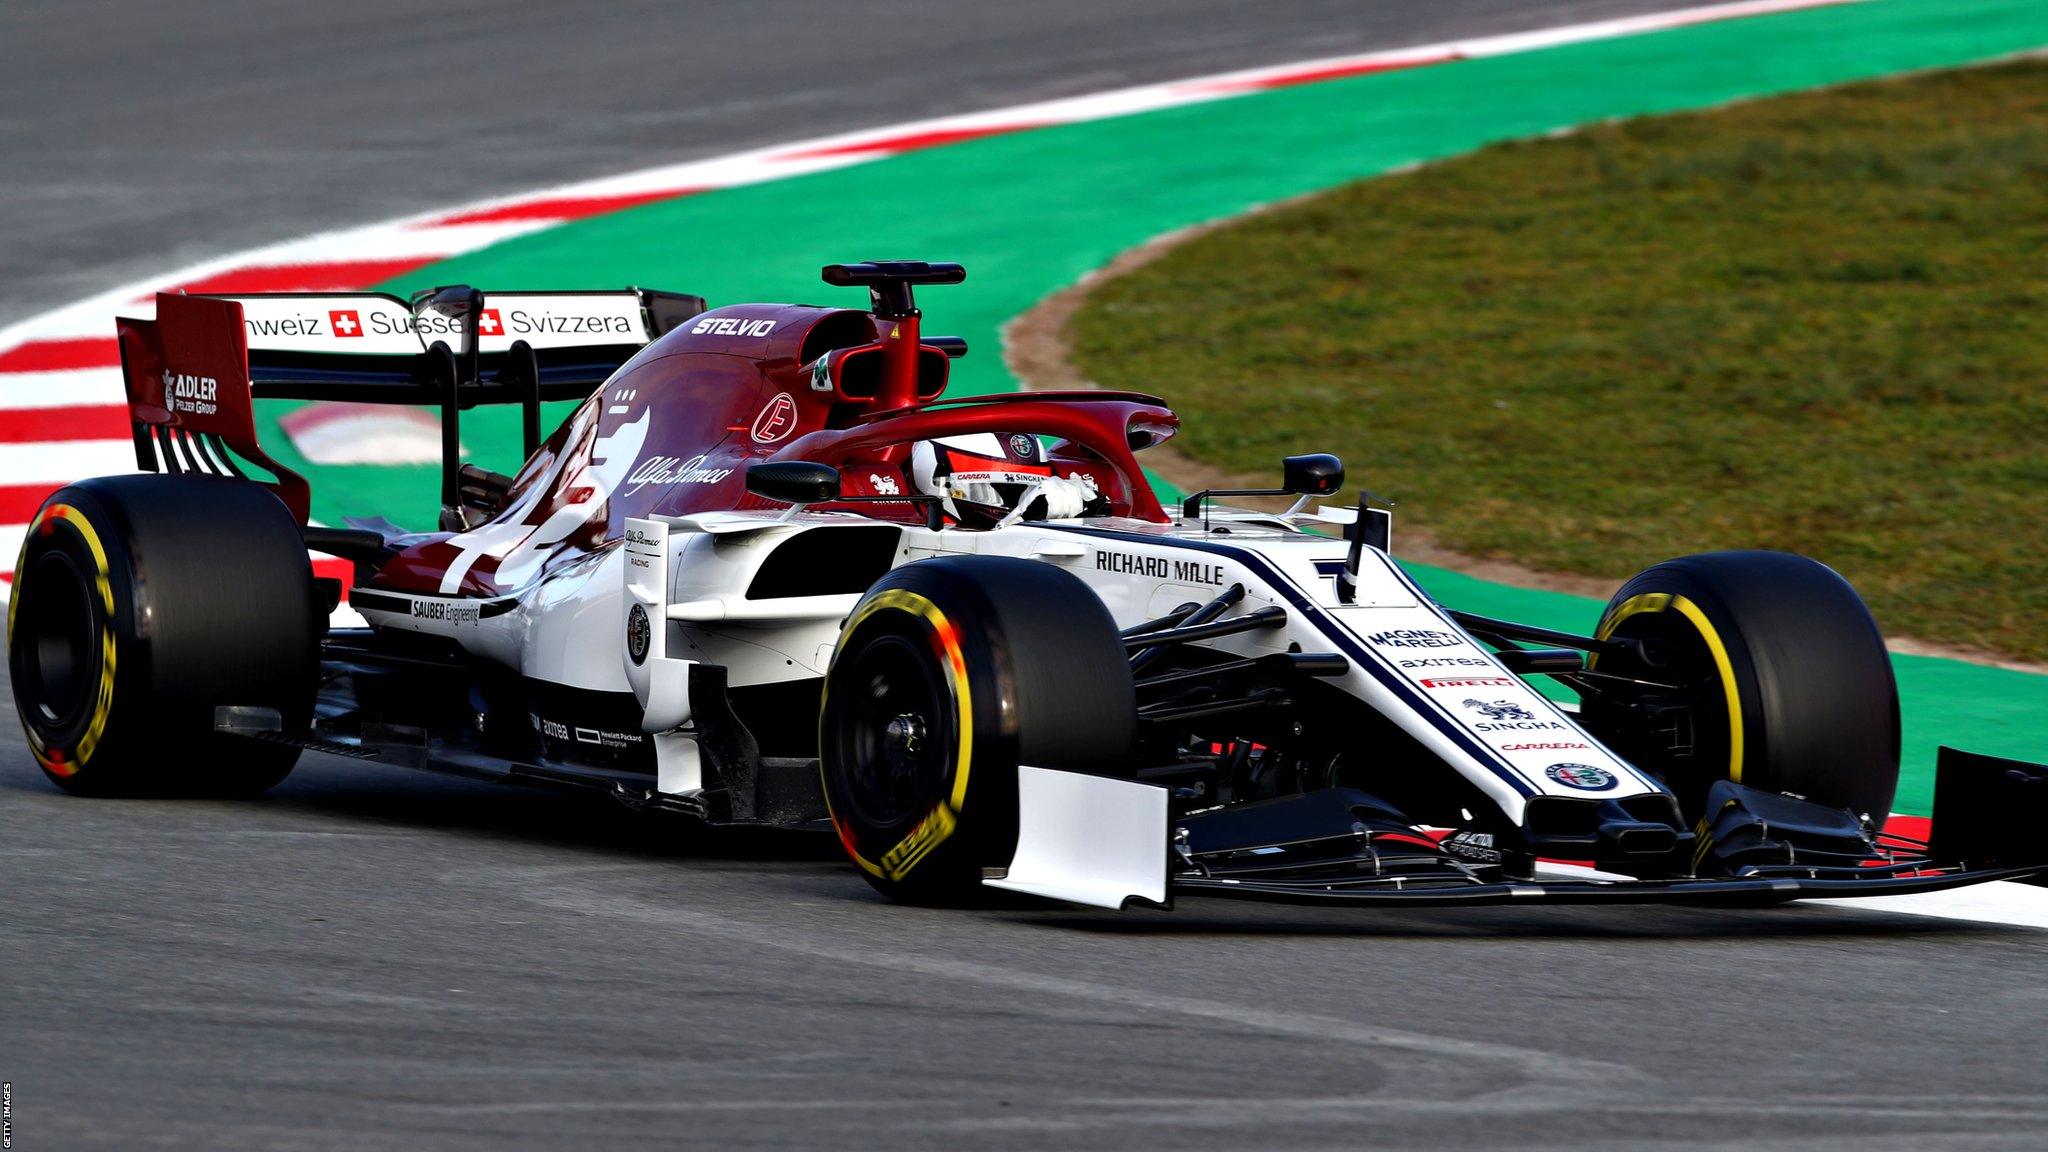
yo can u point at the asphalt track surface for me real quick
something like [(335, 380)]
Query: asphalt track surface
[(370, 957)]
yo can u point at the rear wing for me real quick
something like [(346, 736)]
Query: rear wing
[(193, 373)]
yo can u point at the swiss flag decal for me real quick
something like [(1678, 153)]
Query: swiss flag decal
[(489, 325), (345, 323)]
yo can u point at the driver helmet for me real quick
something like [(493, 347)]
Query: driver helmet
[(979, 479)]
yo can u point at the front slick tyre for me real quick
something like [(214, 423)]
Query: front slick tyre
[(140, 604), (1786, 683), (949, 674)]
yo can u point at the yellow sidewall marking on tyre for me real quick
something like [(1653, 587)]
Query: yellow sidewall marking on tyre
[(103, 699), (940, 822), (1664, 601), (20, 562), (1647, 602)]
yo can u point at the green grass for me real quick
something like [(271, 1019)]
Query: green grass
[(1816, 323)]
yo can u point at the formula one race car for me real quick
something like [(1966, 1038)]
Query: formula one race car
[(767, 572)]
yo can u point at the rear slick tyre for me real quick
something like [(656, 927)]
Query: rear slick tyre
[(142, 603)]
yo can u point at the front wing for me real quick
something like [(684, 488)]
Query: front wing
[(1722, 893), (1115, 843)]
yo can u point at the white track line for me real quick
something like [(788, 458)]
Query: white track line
[(59, 462), (2001, 902), (74, 388)]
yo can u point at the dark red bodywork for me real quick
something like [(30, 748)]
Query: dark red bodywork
[(673, 431)]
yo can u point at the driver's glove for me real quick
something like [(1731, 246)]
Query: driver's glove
[(1058, 498)]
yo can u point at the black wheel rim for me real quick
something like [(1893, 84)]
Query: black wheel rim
[(896, 733), (57, 640), (1687, 741)]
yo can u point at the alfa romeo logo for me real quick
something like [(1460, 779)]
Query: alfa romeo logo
[(639, 633), (1581, 776)]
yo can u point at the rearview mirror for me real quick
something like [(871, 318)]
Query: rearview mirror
[(455, 301), (1317, 474), (793, 481)]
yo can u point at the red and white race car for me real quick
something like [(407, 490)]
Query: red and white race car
[(768, 572)]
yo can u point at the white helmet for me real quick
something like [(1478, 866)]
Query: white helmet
[(982, 479)]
